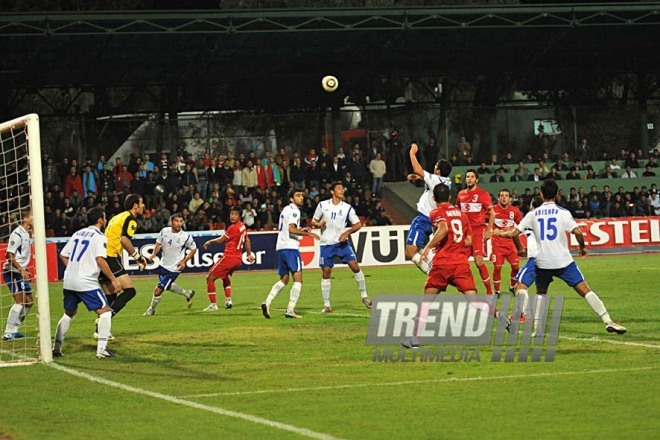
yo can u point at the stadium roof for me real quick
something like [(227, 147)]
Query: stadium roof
[(199, 60)]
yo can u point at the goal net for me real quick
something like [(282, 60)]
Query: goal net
[(26, 335)]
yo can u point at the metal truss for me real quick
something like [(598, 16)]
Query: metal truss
[(329, 20)]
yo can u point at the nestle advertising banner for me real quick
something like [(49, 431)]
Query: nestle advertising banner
[(378, 246)]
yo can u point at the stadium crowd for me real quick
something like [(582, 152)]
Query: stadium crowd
[(205, 188)]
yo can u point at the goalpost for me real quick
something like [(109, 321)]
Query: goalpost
[(20, 171)]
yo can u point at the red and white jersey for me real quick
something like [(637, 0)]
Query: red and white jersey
[(451, 250), (235, 235), (505, 218), (476, 205)]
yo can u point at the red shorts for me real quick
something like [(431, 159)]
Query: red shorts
[(501, 254), (457, 275), (478, 243), (225, 266)]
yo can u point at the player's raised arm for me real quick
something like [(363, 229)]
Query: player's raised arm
[(417, 168)]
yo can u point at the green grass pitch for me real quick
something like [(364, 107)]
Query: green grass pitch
[(233, 374)]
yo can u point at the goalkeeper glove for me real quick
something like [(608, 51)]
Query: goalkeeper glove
[(141, 261)]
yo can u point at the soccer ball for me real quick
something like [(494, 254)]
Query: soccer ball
[(329, 83)]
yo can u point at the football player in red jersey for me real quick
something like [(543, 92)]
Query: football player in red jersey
[(452, 238), (505, 249), (476, 204), (236, 237)]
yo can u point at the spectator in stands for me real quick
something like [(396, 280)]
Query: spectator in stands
[(497, 177), (311, 157), (536, 176), (377, 168), (249, 216), (357, 169), (560, 165), (187, 178), (516, 177), (655, 201), (585, 166), (584, 151), (431, 154), (629, 173), (632, 161), (648, 172), (463, 149), (51, 174), (614, 164), (195, 203), (608, 173), (594, 205), (337, 171), (579, 211), (573, 174), (379, 218), (652, 162), (298, 173), (524, 172), (553, 174), (72, 182), (89, 181), (483, 169), (249, 175), (312, 175), (591, 174), (543, 167)]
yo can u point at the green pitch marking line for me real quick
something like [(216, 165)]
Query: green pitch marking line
[(172, 399), (429, 381)]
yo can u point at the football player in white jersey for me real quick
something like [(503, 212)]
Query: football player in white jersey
[(16, 276), (421, 228), (287, 252), (173, 241), (85, 257), (550, 223), (332, 216)]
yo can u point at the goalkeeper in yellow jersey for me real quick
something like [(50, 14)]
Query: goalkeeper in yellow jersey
[(119, 232)]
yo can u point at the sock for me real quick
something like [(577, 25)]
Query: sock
[(14, 318), (540, 300), (274, 291), (497, 277), (485, 277), (293, 296), (514, 274), (105, 323), (62, 328), (24, 312), (226, 283), (325, 292), (362, 285), (598, 306), (210, 288), (122, 300), (178, 289), (422, 265), (524, 301), (111, 298), (155, 300)]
